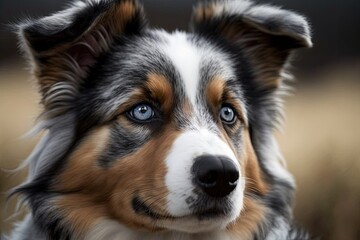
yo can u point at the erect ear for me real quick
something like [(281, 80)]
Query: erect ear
[(64, 46), (265, 34)]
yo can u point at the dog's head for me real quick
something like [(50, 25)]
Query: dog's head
[(155, 130)]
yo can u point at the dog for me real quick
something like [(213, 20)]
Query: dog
[(160, 135)]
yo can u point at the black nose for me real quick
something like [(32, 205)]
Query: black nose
[(215, 175)]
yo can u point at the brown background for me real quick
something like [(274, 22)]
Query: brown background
[(320, 138)]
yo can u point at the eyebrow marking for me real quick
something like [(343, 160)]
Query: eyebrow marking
[(218, 93), (160, 90), (214, 92)]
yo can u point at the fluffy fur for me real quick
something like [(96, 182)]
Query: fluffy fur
[(101, 173)]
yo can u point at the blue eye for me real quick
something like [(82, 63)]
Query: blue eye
[(142, 112), (227, 114)]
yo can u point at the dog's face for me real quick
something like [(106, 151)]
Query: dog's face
[(162, 124), (174, 148)]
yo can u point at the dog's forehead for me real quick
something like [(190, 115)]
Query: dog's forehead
[(196, 60), (188, 61)]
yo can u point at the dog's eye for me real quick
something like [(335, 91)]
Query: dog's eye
[(227, 114), (142, 112)]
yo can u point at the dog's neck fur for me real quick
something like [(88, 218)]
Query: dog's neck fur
[(109, 229)]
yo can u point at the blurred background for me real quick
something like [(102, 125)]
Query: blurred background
[(321, 135)]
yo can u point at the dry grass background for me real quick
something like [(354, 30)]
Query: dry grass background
[(320, 140)]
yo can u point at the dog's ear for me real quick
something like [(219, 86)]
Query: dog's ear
[(63, 47), (264, 34)]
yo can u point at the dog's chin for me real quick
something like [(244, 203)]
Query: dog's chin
[(204, 220), (194, 224)]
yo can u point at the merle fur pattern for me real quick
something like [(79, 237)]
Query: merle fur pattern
[(92, 100)]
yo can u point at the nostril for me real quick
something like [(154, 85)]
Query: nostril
[(233, 178), (231, 172), (208, 179)]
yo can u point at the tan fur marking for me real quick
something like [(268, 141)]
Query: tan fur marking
[(214, 94), (108, 192), (82, 163), (254, 39), (160, 90), (126, 10), (80, 211), (57, 68), (204, 12), (119, 15), (255, 182), (253, 212), (160, 93), (217, 94), (80, 173), (248, 222), (145, 171), (266, 61), (230, 98)]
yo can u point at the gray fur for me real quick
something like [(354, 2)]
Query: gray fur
[(82, 98)]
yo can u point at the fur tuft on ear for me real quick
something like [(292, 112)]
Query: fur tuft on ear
[(264, 34), (64, 46)]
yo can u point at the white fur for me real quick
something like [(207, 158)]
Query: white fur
[(186, 58), (178, 179), (231, 7), (280, 231), (109, 229)]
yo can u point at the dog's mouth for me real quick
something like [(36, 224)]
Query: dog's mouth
[(141, 208)]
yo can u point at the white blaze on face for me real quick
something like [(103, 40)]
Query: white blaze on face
[(189, 58), (186, 58), (179, 162)]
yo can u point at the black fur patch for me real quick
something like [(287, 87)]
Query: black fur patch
[(124, 66)]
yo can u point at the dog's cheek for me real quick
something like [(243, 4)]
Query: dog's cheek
[(81, 170), (255, 176), (81, 179), (142, 174), (254, 211), (248, 161), (247, 223), (136, 178)]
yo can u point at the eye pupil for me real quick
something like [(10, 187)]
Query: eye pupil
[(142, 112), (143, 109)]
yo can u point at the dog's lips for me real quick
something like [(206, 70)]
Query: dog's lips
[(140, 207), (210, 213)]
